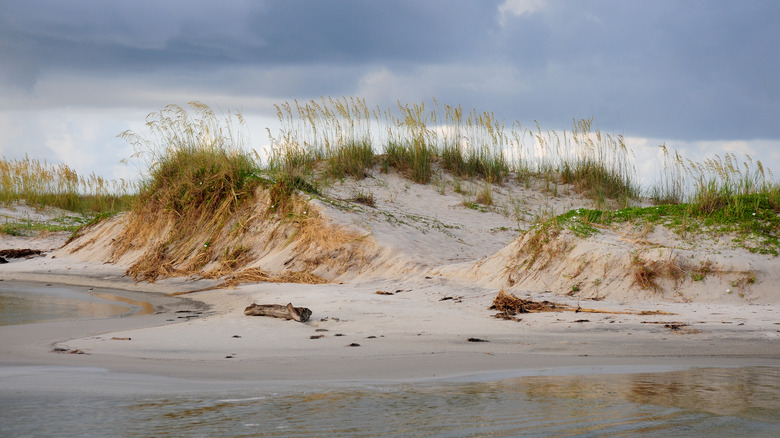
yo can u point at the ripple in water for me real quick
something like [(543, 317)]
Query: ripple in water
[(707, 402)]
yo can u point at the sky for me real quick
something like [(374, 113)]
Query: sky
[(701, 76)]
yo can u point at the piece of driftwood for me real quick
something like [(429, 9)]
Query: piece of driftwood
[(19, 253), (300, 314)]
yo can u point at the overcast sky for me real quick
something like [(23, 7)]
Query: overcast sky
[(701, 76)]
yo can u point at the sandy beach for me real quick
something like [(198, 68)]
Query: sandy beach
[(429, 342), (426, 322)]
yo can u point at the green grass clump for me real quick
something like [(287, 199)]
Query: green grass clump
[(410, 147), (474, 147), (291, 160), (598, 182), (351, 159), (474, 164), (711, 183), (413, 159), (192, 180), (196, 167), (342, 134), (336, 131), (599, 165)]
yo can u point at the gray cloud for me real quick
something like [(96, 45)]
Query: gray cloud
[(140, 35), (678, 69)]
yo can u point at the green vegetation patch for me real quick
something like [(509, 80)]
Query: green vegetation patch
[(755, 218), (30, 228)]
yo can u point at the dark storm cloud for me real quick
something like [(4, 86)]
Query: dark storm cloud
[(691, 69), (373, 31), (113, 37), (117, 37), (687, 69)]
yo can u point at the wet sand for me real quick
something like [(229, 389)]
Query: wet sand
[(205, 337)]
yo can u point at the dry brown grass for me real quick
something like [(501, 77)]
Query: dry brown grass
[(647, 273), (538, 248), (510, 304), (321, 244), (173, 245), (164, 245), (256, 275)]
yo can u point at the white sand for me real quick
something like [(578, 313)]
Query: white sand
[(428, 246)]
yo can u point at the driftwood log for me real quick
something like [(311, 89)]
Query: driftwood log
[(19, 253), (300, 314)]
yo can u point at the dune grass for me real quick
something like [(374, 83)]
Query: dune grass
[(40, 184), (601, 167), (346, 138), (199, 170), (195, 165), (333, 131), (710, 182), (733, 194), (199, 178)]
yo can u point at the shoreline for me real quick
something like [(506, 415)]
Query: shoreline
[(50, 379), (419, 347)]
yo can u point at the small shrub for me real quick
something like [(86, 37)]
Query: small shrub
[(701, 272), (647, 272), (364, 198), (644, 275)]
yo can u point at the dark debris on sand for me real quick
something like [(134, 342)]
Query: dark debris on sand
[(511, 305), (19, 253)]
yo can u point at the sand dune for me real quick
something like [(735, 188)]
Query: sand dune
[(438, 259)]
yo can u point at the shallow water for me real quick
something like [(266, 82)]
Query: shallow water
[(705, 402), (26, 304), (63, 401)]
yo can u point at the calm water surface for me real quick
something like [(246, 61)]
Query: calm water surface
[(711, 402), (31, 303)]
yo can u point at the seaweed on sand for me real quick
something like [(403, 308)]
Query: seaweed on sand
[(510, 304)]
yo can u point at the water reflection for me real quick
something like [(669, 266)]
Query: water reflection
[(143, 308), (697, 402), (750, 393), (39, 303)]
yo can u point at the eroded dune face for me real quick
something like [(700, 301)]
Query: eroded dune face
[(300, 245), (413, 229)]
